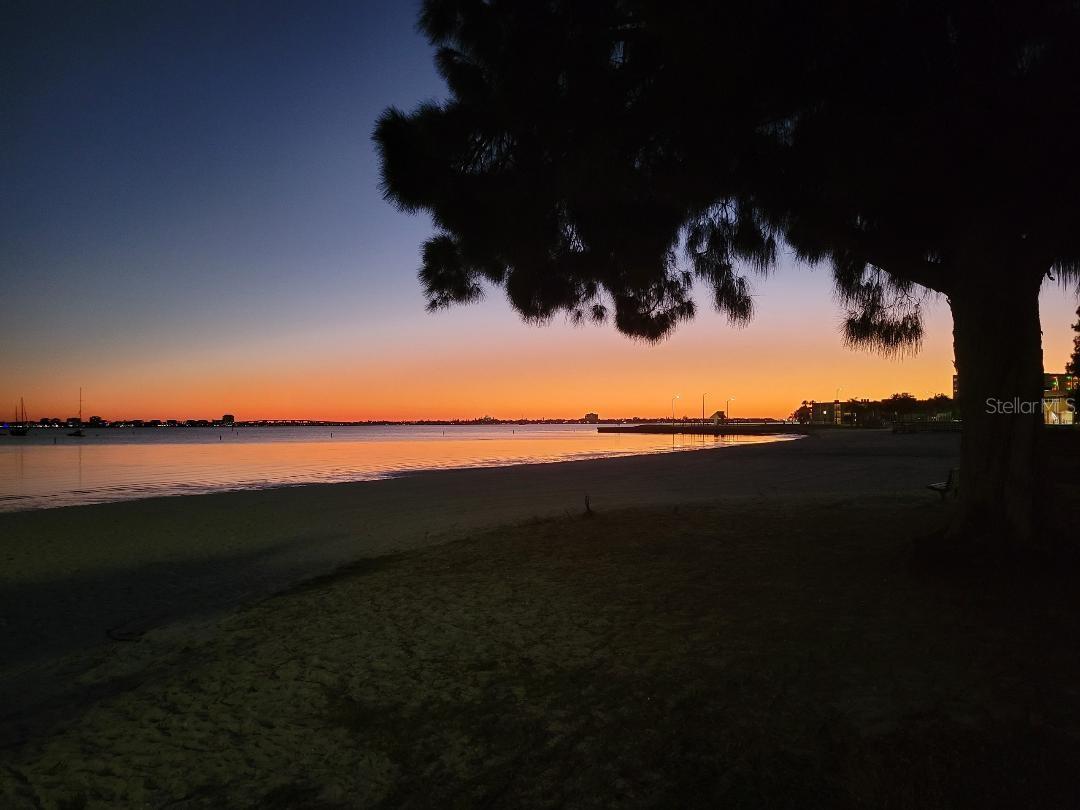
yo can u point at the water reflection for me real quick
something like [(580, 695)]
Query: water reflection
[(115, 465)]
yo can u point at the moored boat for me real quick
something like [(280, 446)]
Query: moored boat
[(21, 425)]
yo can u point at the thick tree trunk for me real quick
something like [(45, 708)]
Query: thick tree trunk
[(998, 346)]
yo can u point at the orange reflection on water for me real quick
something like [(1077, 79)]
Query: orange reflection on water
[(47, 469)]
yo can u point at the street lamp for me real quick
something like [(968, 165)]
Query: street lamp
[(727, 409), (673, 413), (703, 413)]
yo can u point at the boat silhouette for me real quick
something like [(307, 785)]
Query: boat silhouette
[(21, 425)]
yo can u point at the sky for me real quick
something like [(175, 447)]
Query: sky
[(191, 225)]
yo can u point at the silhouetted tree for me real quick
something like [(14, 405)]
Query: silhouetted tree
[(1073, 366), (900, 403), (593, 158)]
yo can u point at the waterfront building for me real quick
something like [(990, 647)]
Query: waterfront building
[(1060, 394)]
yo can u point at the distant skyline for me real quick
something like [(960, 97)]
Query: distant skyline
[(190, 225)]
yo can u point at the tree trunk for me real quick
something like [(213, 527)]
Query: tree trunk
[(998, 347)]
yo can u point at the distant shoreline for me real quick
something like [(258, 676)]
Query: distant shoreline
[(687, 423)]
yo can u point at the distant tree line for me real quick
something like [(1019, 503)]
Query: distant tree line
[(871, 413)]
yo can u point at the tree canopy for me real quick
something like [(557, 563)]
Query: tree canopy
[(595, 158)]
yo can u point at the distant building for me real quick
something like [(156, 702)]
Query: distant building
[(869, 413), (718, 417), (592, 418), (821, 413), (824, 413), (1060, 392), (228, 419)]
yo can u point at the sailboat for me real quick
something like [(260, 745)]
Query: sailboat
[(77, 433), (21, 425)]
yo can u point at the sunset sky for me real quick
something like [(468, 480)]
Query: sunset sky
[(190, 224)]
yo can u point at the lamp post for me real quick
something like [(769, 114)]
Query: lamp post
[(727, 408), (673, 413), (703, 413), (838, 417)]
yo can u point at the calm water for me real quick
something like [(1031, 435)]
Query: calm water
[(49, 468)]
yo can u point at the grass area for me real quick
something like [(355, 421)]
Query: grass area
[(767, 654)]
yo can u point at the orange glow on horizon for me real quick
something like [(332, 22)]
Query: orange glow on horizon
[(479, 361)]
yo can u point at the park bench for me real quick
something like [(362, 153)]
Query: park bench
[(950, 486)]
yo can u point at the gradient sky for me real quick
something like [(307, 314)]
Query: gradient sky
[(190, 225)]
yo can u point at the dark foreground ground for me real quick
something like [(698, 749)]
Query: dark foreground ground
[(754, 653)]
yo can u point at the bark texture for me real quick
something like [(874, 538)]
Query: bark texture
[(998, 348)]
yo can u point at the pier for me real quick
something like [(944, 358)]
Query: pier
[(699, 429)]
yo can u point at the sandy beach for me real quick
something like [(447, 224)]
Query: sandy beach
[(738, 627)]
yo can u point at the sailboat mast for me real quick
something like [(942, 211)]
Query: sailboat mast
[(80, 404)]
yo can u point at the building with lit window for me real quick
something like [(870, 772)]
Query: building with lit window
[(1059, 398)]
